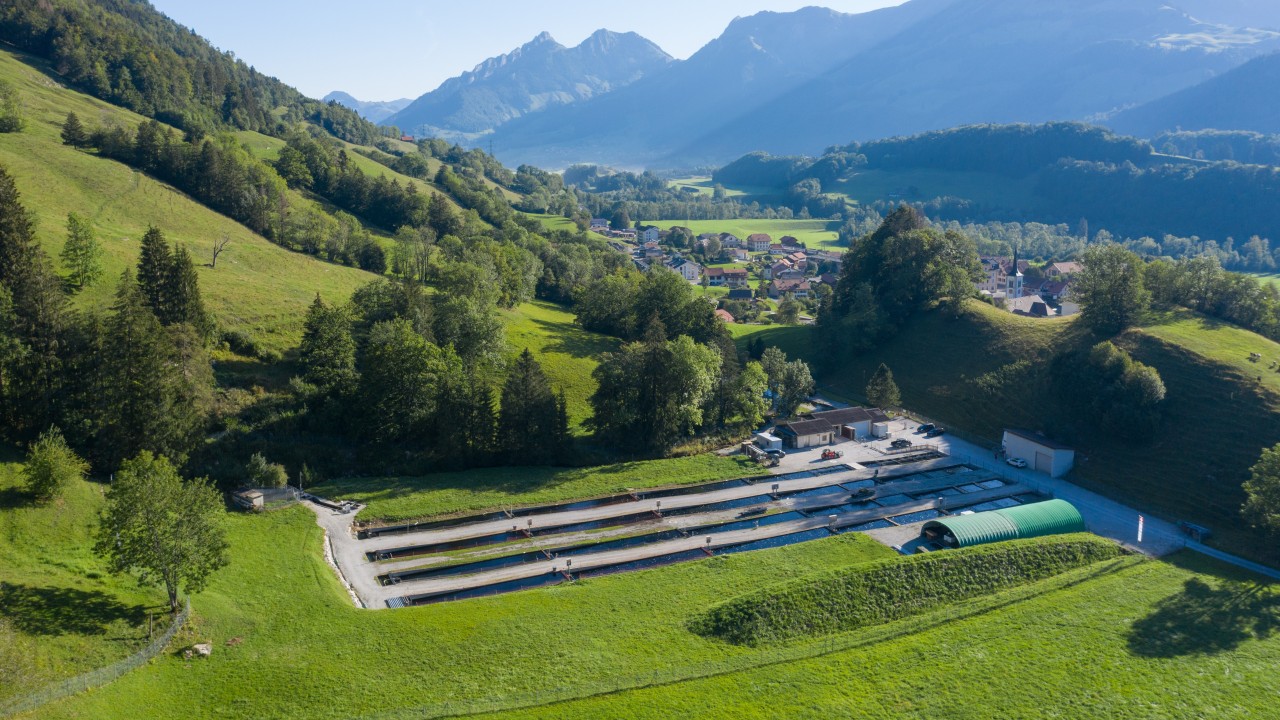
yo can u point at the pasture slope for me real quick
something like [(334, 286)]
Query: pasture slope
[(986, 370)]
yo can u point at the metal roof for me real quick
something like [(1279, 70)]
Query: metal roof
[(1038, 439), (1052, 517)]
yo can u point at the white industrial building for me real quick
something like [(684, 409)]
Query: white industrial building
[(1041, 453)]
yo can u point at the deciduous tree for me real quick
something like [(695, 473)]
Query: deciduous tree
[(166, 530), (51, 466), (1262, 508)]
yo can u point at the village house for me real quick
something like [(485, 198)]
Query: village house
[(648, 233), (599, 225), (1030, 305), (738, 255), (729, 240), (791, 242), (688, 269), (781, 288), (742, 294), (725, 316), (1000, 279), (759, 242), (1062, 269)]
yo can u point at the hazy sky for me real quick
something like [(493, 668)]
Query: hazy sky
[(387, 49)]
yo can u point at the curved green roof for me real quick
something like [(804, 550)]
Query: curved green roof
[(1051, 517)]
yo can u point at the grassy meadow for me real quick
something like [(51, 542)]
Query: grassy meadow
[(408, 498), (257, 287), (814, 233)]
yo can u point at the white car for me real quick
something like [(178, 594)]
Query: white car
[(1017, 462)]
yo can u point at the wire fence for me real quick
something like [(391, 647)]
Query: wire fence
[(99, 677), (758, 659)]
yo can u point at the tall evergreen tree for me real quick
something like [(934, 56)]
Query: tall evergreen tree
[(36, 322), (882, 391), (155, 265), (328, 352), (182, 290), (82, 254), (465, 423), (73, 132), (528, 420), (148, 397)]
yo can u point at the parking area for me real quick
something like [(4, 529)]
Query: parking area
[(868, 454)]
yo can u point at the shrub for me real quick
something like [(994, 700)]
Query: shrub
[(887, 590), (263, 474), (51, 466)]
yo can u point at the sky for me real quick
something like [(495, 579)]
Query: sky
[(388, 49)]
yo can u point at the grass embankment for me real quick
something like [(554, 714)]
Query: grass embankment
[(862, 595), (814, 233), (406, 498), (297, 629), (61, 613), (987, 370), (257, 287), (1185, 639), (568, 353)]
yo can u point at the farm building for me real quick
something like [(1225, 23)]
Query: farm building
[(1051, 517), (1041, 453), (821, 428)]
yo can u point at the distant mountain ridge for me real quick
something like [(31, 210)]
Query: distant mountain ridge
[(797, 82), (371, 110), (1245, 98), (538, 75)]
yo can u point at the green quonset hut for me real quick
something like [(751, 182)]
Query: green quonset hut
[(1051, 517)]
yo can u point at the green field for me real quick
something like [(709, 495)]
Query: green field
[(61, 613), (706, 187), (257, 287), (1272, 278), (814, 233), (989, 189), (1122, 637), (393, 499)]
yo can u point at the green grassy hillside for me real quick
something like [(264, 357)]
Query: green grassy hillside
[(987, 370), (257, 287), (61, 613)]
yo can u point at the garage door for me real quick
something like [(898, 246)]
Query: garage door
[(1044, 463)]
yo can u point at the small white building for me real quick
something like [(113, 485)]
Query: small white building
[(688, 269), (648, 233), (767, 441), (1041, 453)]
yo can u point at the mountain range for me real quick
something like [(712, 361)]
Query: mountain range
[(539, 75), (373, 111)]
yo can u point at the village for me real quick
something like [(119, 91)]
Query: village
[(749, 278)]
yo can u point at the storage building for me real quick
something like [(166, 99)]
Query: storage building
[(1041, 453), (1051, 517)]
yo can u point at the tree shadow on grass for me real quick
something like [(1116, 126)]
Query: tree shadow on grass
[(64, 611), (1206, 620), (13, 498)]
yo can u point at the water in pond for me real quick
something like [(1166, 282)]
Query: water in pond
[(873, 525), (744, 524), (991, 484), (495, 589), (858, 484), (593, 524), (916, 517), (992, 505), (970, 488), (889, 500), (774, 542), (466, 568), (846, 508), (432, 525), (618, 544), (826, 490), (725, 505), (691, 489), (413, 550)]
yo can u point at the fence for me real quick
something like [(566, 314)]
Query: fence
[(99, 677), (760, 659)]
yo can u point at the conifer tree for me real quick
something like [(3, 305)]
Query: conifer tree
[(145, 399), (182, 291), (155, 265), (882, 391), (82, 254), (36, 323), (328, 351), (73, 132), (529, 417)]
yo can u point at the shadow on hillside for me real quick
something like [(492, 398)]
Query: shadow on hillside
[(13, 498), (1206, 620), (574, 341), (64, 611)]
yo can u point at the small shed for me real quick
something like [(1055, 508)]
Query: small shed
[(1041, 453), (252, 500), (767, 441), (806, 433), (1051, 517)]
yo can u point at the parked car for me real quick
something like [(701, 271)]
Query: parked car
[(1017, 462), (775, 454), (927, 427), (935, 432), (832, 454), (900, 443)]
